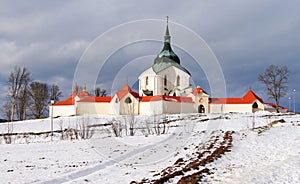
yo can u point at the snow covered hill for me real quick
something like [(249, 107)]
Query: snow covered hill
[(214, 148)]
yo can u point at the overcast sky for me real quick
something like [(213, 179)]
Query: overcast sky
[(50, 37)]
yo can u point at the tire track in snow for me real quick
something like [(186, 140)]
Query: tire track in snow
[(89, 171)]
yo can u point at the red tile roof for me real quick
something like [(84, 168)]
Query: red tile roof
[(96, 99), (198, 90), (69, 101), (125, 90), (166, 98), (274, 106), (83, 94), (250, 95), (248, 98)]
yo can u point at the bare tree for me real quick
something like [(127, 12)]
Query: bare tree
[(55, 93), (275, 78), (22, 103), (6, 111), (100, 92), (17, 80), (39, 98)]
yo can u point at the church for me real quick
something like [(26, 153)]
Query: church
[(164, 88)]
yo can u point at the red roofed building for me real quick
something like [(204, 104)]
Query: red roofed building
[(165, 87), (250, 102), (125, 101)]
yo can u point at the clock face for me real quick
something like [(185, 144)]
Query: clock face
[(201, 100)]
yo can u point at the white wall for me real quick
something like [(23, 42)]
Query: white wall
[(205, 103), (177, 107), (165, 107), (62, 110), (156, 81), (217, 108), (151, 108), (121, 108), (172, 73), (151, 81), (94, 108)]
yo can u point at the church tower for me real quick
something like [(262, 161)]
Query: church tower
[(166, 76)]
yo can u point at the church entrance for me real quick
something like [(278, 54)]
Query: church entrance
[(201, 109)]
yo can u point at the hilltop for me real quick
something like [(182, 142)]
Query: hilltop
[(214, 148)]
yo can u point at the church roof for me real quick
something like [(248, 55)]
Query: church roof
[(83, 94), (167, 51), (125, 90), (165, 63), (166, 98), (248, 98), (96, 99), (167, 57), (252, 96), (69, 101), (272, 105), (198, 90)]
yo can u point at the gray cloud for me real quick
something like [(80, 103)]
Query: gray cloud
[(246, 36)]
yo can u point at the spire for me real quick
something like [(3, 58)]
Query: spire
[(167, 35), (126, 87), (84, 87), (167, 51)]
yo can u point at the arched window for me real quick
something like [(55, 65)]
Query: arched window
[(147, 80), (165, 80), (128, 100), (254, 105), (178, 81)]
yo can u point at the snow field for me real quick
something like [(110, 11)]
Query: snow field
[(268, 157)]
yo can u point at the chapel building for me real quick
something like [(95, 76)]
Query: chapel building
[(164, 88)]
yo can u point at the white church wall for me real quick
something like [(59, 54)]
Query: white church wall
[(177, 107), (201, 99), (94, 108), (115, 105), (151, 108), (172, 73), (62, 110), (151, 80), (130, 108), (226, 108), (260, 105)]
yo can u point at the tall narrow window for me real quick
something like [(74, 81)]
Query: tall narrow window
[(178, 81), (147, 81), (165, 80)]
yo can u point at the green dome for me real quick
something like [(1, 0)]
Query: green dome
[(168, 53), (167, 58)]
